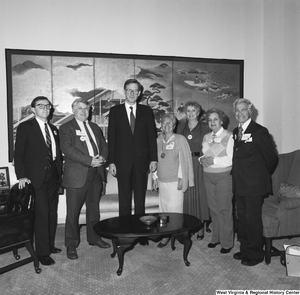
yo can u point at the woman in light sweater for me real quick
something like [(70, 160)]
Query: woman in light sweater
[(217, 148), (174, 169)]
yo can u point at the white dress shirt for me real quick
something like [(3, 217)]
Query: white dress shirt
[(128, 110)]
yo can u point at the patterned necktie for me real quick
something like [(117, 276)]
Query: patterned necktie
[(240, 134), (132, 120), (91, 139), (49, 146)]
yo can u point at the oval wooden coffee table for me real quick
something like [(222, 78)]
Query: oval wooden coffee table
[(125, 232)]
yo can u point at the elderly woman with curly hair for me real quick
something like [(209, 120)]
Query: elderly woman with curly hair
[(174, 169), (217, 150)]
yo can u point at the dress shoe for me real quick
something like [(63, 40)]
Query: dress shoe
[(163, 243), (251, 262), (207, 223), (100, 244), (212, 245), (239, 256), (55, 250), (200, 237), (46, 260), (225, 250), (208, 230), (72, 253)]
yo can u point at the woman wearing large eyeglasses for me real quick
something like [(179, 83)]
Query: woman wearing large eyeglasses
[(174, 169), (217, 150)]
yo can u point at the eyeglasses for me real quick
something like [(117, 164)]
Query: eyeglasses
[(168, 124), (43, 106), (130, 91)]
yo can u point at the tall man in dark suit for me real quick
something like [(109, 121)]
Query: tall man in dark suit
[(254, 161), (37, 159), (132, 148), (85, 151)]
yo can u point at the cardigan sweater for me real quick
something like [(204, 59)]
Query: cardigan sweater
[(176, 153)]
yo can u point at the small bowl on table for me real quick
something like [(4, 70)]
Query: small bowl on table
[(148, 219)]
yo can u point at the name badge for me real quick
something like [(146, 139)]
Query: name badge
[(170, 146), (246, 137), (80, 133)]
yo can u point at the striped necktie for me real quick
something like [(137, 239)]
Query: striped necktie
[(91, 139), (49, 146)]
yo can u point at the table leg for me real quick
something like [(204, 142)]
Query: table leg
[(120, 246), (113, 254), (185, 239)]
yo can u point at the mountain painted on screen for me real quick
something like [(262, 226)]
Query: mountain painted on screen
[(26, 66)]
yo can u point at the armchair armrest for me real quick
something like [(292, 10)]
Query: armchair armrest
[(289, 203)]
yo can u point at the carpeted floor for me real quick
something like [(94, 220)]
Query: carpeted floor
[(147, 270)]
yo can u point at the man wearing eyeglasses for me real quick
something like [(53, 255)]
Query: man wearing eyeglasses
[(38, 160), (132, 148)]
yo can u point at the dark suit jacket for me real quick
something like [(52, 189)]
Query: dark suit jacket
[(77, 158), (30, 156), (125, 148), (253, 162)]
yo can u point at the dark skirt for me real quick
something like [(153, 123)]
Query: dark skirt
[(195, 200)]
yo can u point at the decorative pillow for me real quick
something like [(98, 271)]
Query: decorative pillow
[(288, 191)]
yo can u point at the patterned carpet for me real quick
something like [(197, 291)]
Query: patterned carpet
[(147, 270)]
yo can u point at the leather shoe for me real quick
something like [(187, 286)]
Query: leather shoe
[(251, 262), (46, 260), (72, 253), (161, 245), (55, 250), (100, 244), (212, 245), (225, 250), (239, 256)]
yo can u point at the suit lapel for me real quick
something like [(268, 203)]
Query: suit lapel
[(37, 130), (250, 127), (55, 135), (235, 136), (139, 116)]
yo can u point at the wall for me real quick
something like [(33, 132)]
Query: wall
[(263, 33)]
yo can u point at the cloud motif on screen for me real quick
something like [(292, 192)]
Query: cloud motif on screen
[(78, 66)]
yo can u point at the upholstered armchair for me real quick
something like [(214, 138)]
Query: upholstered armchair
[(16, 226), (281, 211)]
